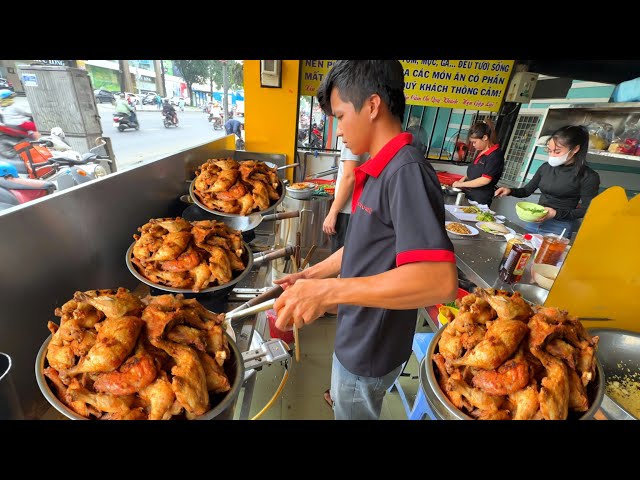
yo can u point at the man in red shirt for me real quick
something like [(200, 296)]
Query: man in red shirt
[(397, 255)]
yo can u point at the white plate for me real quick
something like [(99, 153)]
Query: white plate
[(474, 231), (467, 217), (511, 231)]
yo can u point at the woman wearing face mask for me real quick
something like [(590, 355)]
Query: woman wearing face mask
[(485, 171), (566, 182)]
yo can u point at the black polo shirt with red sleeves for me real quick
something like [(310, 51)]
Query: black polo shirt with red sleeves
[(489, 164), (397, 218)]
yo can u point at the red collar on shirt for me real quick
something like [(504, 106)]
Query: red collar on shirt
[(488, 152), (375, 165)]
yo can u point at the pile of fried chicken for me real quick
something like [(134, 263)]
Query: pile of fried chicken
[(190, 255), (228, 186), (118, 357), (501, 359)]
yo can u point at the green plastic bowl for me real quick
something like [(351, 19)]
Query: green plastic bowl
[(529, 211)]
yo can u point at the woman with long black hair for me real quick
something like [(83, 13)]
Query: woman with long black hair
[(567, 183), (485, 171)]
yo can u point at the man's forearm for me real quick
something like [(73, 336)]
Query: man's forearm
[(409, 286), (329, 267)]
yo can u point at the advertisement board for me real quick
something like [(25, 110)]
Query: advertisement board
[(468, 84)]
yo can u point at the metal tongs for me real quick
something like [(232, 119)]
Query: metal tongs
[(257, 304)]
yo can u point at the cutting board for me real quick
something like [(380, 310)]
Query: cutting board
[(601, 274)]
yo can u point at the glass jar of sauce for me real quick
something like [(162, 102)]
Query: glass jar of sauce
[(513, 268)]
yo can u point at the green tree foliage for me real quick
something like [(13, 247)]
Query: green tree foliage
[(193, 71), (235, 77)]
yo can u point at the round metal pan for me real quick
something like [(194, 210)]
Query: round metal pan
[(220, 402), (247, 257), (444, 409), (273, 206)]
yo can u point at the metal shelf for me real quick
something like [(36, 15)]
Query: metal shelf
[(622, 156)]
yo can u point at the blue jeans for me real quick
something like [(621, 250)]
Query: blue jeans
[(355, 397), (551, 226)]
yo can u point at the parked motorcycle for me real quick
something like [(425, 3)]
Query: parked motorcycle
[(15, 190), (170, 120), (10, 137), (122, 122), (65, 168)]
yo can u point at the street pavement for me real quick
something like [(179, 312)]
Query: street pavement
[(153, 141)]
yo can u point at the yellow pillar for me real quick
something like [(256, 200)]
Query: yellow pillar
[(271, 113)]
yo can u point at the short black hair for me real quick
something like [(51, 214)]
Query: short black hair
[(357, 80)]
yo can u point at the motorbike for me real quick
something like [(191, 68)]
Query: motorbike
[(15, 190), (170, 120), (66, 168), (217, 123), (10, 137), (122, 121)]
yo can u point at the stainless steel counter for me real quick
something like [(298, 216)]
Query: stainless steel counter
[(478, 257)]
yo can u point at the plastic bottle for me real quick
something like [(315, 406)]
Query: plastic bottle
[(513, 268)]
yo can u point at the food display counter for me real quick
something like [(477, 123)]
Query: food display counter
[(478, 257), (76, 239)]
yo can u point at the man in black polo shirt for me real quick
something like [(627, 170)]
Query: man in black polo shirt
[(397, 255)]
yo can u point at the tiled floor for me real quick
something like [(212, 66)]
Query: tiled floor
[(302, 395)]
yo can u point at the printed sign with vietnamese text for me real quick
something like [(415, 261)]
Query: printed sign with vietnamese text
[(312, 74), (468, 84)]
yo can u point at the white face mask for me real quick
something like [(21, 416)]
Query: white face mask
[(557, 161)]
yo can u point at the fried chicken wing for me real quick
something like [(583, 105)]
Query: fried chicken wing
[(135, 373), (160, 399), (554, 390), (450, 344), (113, 305), (105, 402), (507, 307), (188, 336), (189, 381), (500, 342), (525, 403), (116, 339), (78, 406), (157, 319), (475, 396), (511, 376), (578, 399), (217, 381), (220, 265), (173, 244)]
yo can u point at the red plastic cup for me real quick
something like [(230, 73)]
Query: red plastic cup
[(274, 331)]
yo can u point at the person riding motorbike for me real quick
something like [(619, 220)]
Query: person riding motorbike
[(15, 116), (216, 115), (122, 106), (169, 110)]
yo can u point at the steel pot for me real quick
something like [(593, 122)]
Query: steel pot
[(247, 258), (271, 208), (445, 410), (220, 402)]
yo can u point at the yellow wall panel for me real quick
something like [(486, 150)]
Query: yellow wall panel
[(601, 274), (271, 113)]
